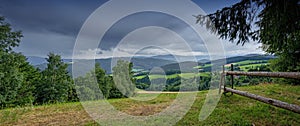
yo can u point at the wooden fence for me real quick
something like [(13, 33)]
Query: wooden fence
[(274, 102)]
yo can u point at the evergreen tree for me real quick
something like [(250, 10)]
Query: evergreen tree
[(102, 80), (55, 82), (114, 92), (17, 80), (17, 76)]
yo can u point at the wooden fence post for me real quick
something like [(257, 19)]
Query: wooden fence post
[(222, 80), (232, 79)]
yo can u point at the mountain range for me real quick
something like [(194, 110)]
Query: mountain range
[(166, 62)]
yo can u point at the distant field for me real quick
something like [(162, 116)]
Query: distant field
[(251, 66), (233, 110), (244, 66), (183, 75), (248, 64), (205, 66)]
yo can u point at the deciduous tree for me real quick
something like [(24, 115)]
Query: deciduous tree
[(123, 78)]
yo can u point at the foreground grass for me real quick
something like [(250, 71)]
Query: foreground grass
[(233, 110), (238, 110)]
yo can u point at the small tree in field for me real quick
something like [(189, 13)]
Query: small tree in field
[(123, 79)]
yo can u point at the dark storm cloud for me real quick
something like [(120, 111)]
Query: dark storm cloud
[(59, 16), (47, 26)]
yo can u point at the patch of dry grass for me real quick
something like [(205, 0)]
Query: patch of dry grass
[(144, 108), (57, 114)]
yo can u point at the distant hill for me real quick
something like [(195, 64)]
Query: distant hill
[(184, 67), (203, 61), (175, 66), (145, 63), (139, 62), (181, 58), (166, 62), (246, 57)]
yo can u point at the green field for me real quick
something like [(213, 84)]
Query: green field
[(204, 66), (251, 66), (233, 110), (247, 62), (244, 66), (183, 75)]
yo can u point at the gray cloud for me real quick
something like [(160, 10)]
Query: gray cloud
[(47, 26), (62, 17), (40, 44), (52, 26)]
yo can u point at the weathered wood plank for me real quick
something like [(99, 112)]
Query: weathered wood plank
[(277, 103), (293, 75)]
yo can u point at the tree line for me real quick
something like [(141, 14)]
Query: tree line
[(22, 84)]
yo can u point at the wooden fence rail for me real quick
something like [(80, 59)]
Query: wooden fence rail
[(277, 103), (293, 75)]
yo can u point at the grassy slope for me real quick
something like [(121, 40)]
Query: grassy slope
[(238, 110), (234, 110)]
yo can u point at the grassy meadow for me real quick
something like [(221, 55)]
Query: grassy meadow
[(232, 110)]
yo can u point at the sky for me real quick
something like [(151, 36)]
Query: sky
[(53, 26)]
